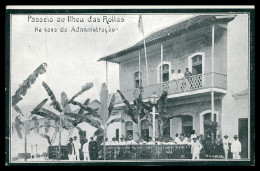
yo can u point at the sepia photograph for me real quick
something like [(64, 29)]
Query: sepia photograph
[(95, 84)]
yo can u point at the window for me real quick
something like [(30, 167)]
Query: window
[(145, 130), (137, 79), (117, 134), (129, 129), (197, 64), (166, 128), (187, 125), (166, 73)]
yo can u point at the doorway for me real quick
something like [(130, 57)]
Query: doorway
[(243, 136)]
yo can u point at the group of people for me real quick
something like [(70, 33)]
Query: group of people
[(180, 75), (89, 149), (197, 143)]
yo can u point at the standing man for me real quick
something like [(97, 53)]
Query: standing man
[(226, 146), (188, 75), (71, 150), (176, 139), (85, 150), (93, 149), (77, 147), (236, 148), (180, 78), (90, 147), (173, 76), (195, 148)]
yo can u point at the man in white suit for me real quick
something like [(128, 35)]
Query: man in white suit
[(236, 148)]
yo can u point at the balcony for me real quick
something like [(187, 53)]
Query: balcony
[(181, 87)]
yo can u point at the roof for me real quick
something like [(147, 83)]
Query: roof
[(169, 32)]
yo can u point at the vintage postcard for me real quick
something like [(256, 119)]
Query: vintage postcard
[(141, 85)]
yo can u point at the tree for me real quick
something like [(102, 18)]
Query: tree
[(140, 109)]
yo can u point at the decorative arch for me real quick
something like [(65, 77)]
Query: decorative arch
[(158, 70), (202, 121)]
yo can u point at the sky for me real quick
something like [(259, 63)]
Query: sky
[(71, 57)]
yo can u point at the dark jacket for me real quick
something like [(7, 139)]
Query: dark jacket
[(93, 150), (69, 148)]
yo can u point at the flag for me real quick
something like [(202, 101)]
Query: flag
[(140, 24)]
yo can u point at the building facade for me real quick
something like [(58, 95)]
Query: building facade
[(215, 49)]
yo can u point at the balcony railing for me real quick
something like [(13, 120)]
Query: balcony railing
[(192, 83)]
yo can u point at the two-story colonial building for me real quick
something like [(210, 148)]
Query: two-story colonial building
[(215, 49)]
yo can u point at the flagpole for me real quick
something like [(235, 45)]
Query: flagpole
[(25, 136), (139, 69), (106, 74), (161, 66), (59, 157), (146, 65)]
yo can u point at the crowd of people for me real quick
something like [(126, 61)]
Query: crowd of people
[(197, 143)]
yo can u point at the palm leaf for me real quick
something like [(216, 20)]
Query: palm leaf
[(86, 108), (99, 132), (86, 87), (111, 105), (47, 137), (115, 120), (103, 111), (81, 111), (64, 103), (129, 111), (54, 103), (17, 125), (17, 109)]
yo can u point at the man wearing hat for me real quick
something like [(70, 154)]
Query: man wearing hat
[(77, 147), (226, 146), (236, 148), (195, 148), (71, 150)]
